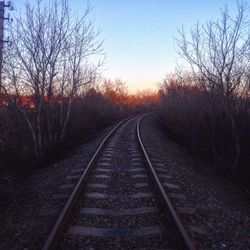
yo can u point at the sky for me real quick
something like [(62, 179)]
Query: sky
[(139, 34)]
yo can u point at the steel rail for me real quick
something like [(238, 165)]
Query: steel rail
[(57, 230), (186, 240)]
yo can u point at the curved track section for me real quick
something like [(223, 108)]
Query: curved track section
[(187, 242), (58, 227), (117, 201)]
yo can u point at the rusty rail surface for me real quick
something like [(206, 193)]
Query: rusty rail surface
[(186, 240), (63, 218), (59, 226)]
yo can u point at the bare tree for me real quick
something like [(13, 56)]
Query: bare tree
[(122, 92), (116, 91), (217, 52), (47, 65)]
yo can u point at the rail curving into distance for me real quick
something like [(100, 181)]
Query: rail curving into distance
[(187, 242), (61, 222), (57, 230)]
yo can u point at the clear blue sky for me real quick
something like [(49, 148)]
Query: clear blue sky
[(138, 34)]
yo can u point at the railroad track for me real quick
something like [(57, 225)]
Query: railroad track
[(119, 201)]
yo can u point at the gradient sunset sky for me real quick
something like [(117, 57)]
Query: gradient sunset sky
[(139, 34)]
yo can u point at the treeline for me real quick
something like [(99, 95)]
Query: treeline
[(117, 92), (51, 95), (48, 72), (89, 114), (208, 108), (91, 111)]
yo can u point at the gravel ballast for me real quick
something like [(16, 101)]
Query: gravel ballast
[(222, 209), (30, 210), (148, 230)]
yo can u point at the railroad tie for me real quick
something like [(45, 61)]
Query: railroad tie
[(113, 212), (115, 232), (96, 195)]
